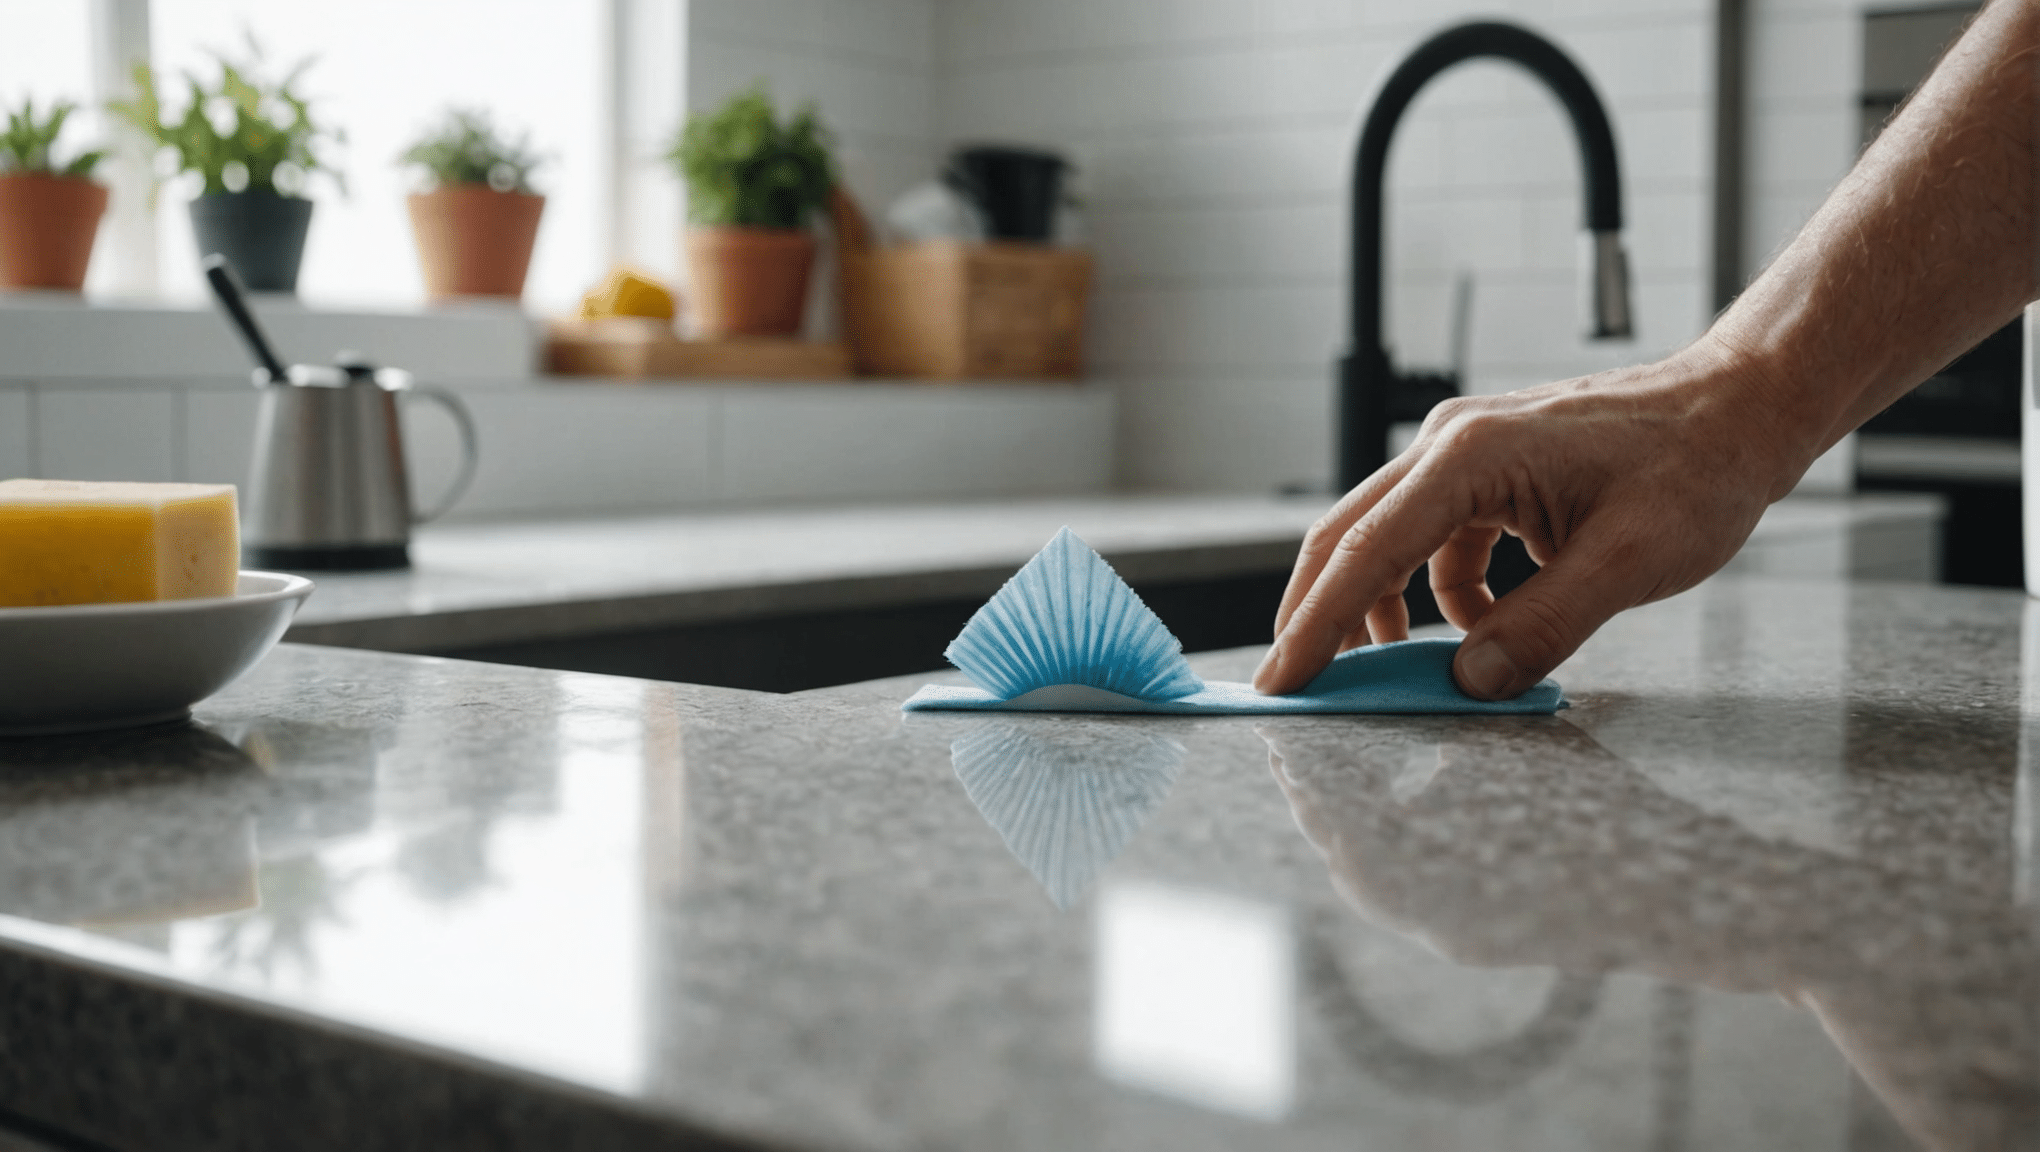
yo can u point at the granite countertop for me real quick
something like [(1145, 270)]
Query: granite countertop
[(1771, 883), (506, 582)]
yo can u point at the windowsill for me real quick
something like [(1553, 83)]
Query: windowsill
[(55, 339), (52, 338)]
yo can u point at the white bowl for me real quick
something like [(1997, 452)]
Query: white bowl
[(84, 667)]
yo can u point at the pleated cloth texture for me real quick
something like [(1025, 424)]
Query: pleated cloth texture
[(1066, 634)]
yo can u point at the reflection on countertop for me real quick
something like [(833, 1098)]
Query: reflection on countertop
[(1770, 883)]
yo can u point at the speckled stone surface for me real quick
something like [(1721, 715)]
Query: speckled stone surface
[(1771, 883), (480, 584)]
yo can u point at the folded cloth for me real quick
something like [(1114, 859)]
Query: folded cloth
[(1066, 634), (1406, 676)]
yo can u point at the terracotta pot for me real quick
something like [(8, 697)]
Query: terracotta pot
[(749, 281), (474, 240), (47, 225)]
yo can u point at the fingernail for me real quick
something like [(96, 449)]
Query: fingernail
[(1487, 672)]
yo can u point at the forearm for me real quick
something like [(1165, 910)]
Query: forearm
[(1925, 248)]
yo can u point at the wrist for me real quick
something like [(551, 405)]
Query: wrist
[(1758, 401)]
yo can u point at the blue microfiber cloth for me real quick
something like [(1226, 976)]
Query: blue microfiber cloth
[(1066, 634)]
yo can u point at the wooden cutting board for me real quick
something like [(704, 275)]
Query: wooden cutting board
[(632, 348)]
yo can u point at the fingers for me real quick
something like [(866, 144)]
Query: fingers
[(1533, 629), (1323, 540), (1387, 621), (1459, 576), (1374, 557)]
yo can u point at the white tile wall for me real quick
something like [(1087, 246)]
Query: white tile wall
[(107, 434), (571, 449), (218, 434), (866, 63), (1215, 141), (1804, 76), (17, 456), (552, 449), (619, 447), (914, 442), (1225, 432)]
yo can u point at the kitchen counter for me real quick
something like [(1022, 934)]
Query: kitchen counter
[(1769, 883), (511, 582)]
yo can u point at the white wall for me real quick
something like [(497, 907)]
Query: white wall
[(1805, 75), (1215, 139), (867, 64)]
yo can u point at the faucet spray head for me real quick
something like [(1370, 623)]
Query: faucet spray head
[(1609, 288)]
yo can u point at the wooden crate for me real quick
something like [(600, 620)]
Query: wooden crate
[(634, 348), (952, 311)]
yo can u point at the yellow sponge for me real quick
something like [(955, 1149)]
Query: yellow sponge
[(77, 542), (628, 293)]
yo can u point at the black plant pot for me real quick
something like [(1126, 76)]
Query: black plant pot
[(261, 234)]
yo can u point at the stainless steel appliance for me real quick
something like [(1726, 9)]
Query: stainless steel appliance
[(328, 488)]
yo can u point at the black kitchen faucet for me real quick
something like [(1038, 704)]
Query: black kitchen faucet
[(1372, 394)]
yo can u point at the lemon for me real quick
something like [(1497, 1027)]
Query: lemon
[(628, 293)]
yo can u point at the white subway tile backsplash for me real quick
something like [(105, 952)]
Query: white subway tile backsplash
[(998, 441), (111, 434), (1254, 166), (1243, 432), (974, 32), (17, 453), (1665, 145), (900, 31), (1222, 244), (571, 448), (219, 435), (1530, 146), (853, 94), (1658, 62), (1814, 54), (912, 442), (1805, 145), (1202, 328), (1446, 233)]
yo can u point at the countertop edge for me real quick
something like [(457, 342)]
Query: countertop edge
[(314, 1072), (453, 630)]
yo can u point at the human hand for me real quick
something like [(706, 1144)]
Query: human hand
[(1626, 487)]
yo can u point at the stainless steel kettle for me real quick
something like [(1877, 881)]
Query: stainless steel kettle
[(328, 488)]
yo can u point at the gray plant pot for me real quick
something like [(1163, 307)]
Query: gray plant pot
[(261, 234)]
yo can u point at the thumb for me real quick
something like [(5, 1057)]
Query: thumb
[(1533, 629)]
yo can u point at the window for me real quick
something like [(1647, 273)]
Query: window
[(46, 53), (596, 83), (384, 71)]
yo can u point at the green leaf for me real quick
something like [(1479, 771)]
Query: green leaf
[(466, 148), (744, 168), (29, 143), (256, 142)]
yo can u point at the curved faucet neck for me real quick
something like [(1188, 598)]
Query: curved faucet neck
[(1456, 45)]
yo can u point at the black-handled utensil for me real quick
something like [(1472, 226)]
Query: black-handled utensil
[(228, 289)]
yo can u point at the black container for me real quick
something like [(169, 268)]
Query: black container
[(261, 234), (1017, 189)]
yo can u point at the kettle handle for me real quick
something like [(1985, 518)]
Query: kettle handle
[(470, 453)]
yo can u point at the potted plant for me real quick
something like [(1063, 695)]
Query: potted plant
[(253, 146), (753, 183), (49, 212), (476, 226)]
